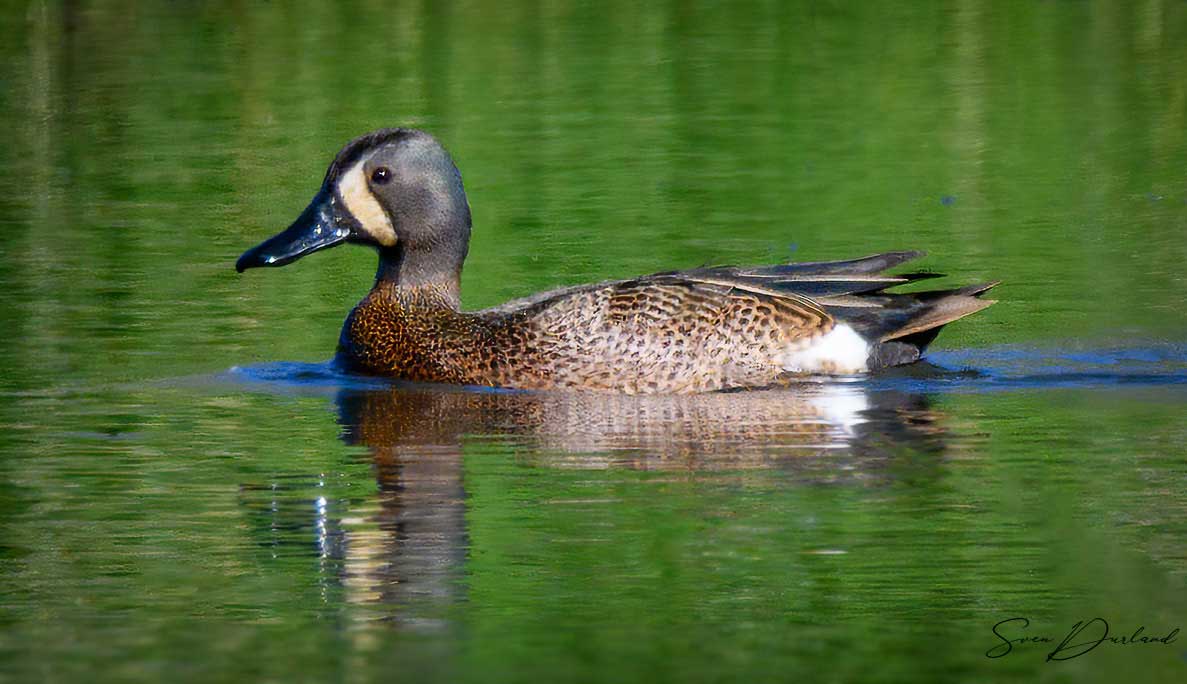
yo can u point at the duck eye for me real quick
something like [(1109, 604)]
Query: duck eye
[(381, 176)]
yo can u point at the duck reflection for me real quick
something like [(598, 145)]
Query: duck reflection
[(701, 432), (407, 552)]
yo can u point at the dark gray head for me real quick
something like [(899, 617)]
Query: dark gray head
[(395, 189)]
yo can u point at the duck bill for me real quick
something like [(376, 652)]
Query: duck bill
[(323, 224)]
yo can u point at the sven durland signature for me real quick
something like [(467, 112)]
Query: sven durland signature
[(1084, 636)]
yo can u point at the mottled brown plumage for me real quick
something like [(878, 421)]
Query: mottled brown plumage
[(678, 332), (657, 334)]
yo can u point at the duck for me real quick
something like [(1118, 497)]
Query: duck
[(706, 329)]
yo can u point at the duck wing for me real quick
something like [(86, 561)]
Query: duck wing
[(800, 300), (801, 282)]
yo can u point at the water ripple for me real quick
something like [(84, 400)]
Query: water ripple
[(985, 369)]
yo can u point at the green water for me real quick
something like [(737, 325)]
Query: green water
[(188, 493)]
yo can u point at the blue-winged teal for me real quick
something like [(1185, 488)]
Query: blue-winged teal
[(688, 331)]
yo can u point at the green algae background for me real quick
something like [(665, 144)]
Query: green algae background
[(159, 520)]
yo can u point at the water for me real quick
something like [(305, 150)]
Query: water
[(188, 491)]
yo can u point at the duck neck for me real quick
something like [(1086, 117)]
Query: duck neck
[(420, 278)]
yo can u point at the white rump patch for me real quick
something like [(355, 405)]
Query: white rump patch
[(367, 210), (839, 352)]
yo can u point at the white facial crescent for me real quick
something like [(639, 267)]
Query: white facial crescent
[(361, 203)]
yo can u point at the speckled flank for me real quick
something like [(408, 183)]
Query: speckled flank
[(659, 334)]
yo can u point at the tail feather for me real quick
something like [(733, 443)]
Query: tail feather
[(875, 263), (941, 308), (981, 288), (819, 280), (904, 325), (898, 325)]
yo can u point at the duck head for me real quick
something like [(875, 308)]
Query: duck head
[(396, 190)]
